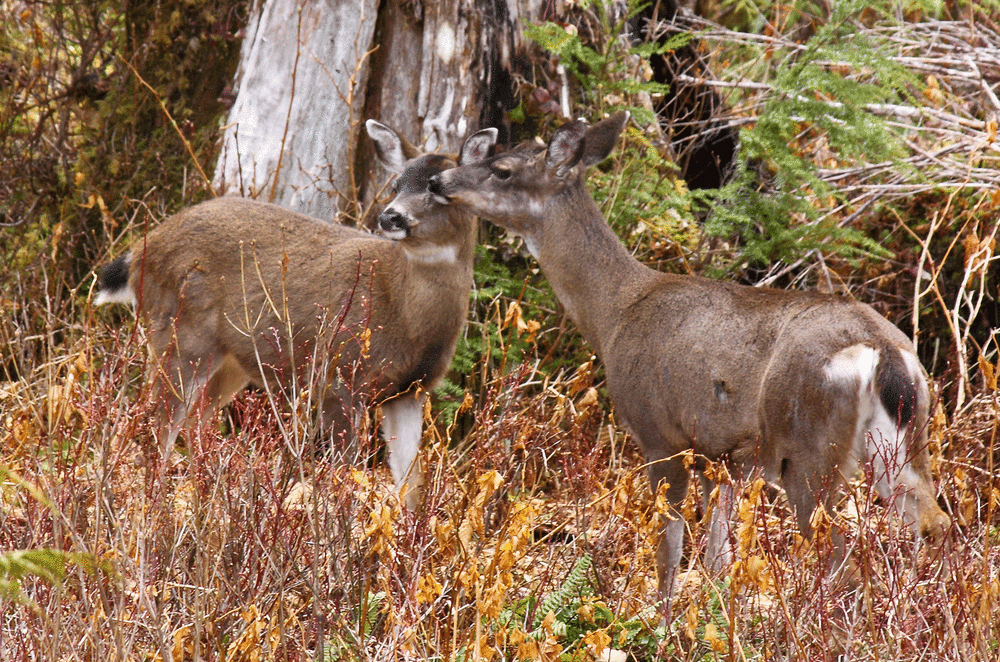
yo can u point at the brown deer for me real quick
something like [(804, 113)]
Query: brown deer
[(237, 292), (802, 387)]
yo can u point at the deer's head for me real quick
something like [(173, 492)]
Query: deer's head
[(519, 189), (420, 219)]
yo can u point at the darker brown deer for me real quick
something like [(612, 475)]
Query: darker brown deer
[(801, 387), (237, 292)]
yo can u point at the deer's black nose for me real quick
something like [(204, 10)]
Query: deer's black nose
[(392, 222), (435, 186)]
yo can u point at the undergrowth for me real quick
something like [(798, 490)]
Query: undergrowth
[(536, 537)]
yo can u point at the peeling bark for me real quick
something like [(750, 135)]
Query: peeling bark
[(436, 72), (290, 131)]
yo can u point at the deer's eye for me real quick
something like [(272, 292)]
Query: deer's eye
[(501, 173)]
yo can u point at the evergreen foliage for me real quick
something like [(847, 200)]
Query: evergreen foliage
[(776, 202)]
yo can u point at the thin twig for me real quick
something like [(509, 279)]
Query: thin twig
[(163, 107)]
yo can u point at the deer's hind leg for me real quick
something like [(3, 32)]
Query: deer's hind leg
[(189, 386), (718, 547), (669, 470)]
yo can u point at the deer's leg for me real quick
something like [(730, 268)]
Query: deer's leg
[(341, 421), (402, 424), (192, 377), (808, 489), (802, 497), (668, 553), (719, 547), (226, 380), (189, 390), (176, 388)]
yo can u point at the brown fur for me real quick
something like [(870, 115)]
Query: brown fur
[(764, 379), (236, 291)]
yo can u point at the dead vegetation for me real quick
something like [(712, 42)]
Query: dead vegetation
[(536, 537)]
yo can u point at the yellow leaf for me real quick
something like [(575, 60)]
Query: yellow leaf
[(662, 504), (547, 622), (366, 342), (597, 641), (531, 327), (182, 644), (712, 637), (467, 403), (588, 400), (468, 576), (465, 531), (442, 531), (428, 589), (379, 529), (582, 378), (360, 479), (551, 649), (528, 650), (933, 91), (513, 316), (691, 623), (989, 372)]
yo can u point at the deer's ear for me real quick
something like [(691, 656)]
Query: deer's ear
[(566, 148), (602, 138), (392, 151), (477, 146)]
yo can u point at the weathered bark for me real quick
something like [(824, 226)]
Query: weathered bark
[(438, 71), (296, 116)]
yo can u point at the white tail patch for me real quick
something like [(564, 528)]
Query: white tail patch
[(877, 438), (123, 295), (895, 479), (889, 453), (854, 362)]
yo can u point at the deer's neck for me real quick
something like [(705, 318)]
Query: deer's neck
[(439, 277), (592, 273)]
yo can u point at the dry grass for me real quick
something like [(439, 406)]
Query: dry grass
[(249, 546)]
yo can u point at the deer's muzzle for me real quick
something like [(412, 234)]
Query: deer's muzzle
[(394, 225)]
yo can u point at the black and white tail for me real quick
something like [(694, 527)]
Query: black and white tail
[(896, 386), (114, 282)]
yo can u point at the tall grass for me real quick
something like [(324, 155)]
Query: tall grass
[(249, 545), (536, 536)]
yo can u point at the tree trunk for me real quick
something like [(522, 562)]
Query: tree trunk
[(295, 117), (312, 72)]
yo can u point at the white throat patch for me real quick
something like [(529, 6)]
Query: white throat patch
[(433, 254)]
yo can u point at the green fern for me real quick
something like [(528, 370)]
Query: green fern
[(49, 565), (575, 585), (810, 97), (604, 68), (346, 642)]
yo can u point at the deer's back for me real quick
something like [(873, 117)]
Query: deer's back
[(717, 360), (236, 276)]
